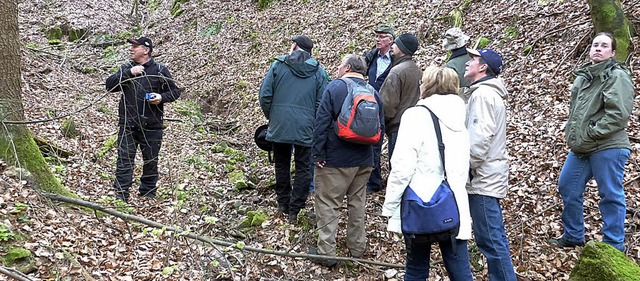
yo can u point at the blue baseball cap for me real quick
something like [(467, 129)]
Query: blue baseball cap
[(493, 59)]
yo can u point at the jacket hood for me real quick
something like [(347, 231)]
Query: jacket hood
[(495, 83), (447, 108), (300, 63)]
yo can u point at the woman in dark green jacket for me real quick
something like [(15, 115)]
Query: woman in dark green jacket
[(601, 103)]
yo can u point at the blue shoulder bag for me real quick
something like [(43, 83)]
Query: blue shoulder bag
[(439, 219)]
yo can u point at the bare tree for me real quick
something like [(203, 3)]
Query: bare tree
[(17, 147), (608, 16)]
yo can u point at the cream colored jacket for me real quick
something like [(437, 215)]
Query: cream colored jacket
[(416, 160)]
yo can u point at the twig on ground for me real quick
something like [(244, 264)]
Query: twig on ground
[(15, 274), (206, 239), (568, 54)]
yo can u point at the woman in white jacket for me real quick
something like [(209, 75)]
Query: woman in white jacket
[(416, 163)]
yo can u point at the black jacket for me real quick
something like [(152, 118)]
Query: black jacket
[(327, 146), (134, 110), (370, 58)]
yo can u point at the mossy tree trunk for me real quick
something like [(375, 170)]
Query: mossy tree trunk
[(608, 16), (17, 147)]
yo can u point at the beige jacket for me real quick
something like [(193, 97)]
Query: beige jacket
[(487, 125)]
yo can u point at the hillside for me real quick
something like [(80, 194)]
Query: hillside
[(218, 52)]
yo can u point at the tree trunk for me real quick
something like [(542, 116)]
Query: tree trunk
[(608, 16), (17, 147)]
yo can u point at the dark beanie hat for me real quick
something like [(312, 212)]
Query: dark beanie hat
[(303, 42), (408, 43)]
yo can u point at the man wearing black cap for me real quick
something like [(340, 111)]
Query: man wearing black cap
[(146, 86), (379, 62), (489, 169), (289, 96), (401, 89)]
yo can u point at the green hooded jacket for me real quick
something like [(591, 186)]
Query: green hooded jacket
[(289, 96), (601, 103)]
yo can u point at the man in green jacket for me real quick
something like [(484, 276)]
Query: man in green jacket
[(455, 41), (601, 103), (289, 96)]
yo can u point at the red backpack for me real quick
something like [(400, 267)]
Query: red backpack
[(359, 117)]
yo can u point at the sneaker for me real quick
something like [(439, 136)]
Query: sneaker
[(563, 243), (321, 261)]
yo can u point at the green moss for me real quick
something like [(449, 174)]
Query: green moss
[(5, 233), (482, 42), (175, 8), (29, 156), (254, 218), (235, 176), (15, 255), (511, 32), (220, 147), (189, 109), (264, 4), (69, 128), (54, 35), (527, 50), (455, 18), (76, 34), (599, 261), (108, 145)]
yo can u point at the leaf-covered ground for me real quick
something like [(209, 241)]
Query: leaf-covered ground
[(218, 52)]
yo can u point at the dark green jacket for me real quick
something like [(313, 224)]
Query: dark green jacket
[(289, 96), (601, 103), (457, 61)]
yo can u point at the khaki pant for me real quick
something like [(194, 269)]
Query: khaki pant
[(332, 184)]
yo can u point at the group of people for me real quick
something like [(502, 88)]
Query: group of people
[(302, 103)]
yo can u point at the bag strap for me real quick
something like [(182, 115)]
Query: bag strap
[(436, 126)]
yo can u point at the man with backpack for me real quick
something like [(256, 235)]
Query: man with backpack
[(348, 123), (289, 96)]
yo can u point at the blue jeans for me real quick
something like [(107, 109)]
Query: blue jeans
[(418, 254), (491, 238), (607, 167)]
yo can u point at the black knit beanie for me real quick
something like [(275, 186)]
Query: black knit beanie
[(408, 43)]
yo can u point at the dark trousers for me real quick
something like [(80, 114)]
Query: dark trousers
[(391, 145), (149, 141), (375, 179), (292, 200), (456, 259)]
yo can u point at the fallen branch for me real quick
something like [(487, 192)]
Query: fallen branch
[(15, 274), (48, 148), (553, 31), (205, 239)]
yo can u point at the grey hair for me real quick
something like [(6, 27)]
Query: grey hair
[(356, 63)]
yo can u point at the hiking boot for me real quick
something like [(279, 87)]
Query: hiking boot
[(148, 195), (123, 196), (325, 262), (563, 243), (283, 209), (293, 218)]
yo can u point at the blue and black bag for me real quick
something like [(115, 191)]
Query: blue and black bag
[(437, 220)]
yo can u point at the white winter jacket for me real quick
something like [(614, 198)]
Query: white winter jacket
[(487, 125), (416, 159)]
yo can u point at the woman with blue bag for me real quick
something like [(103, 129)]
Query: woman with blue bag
[(417, 167)]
